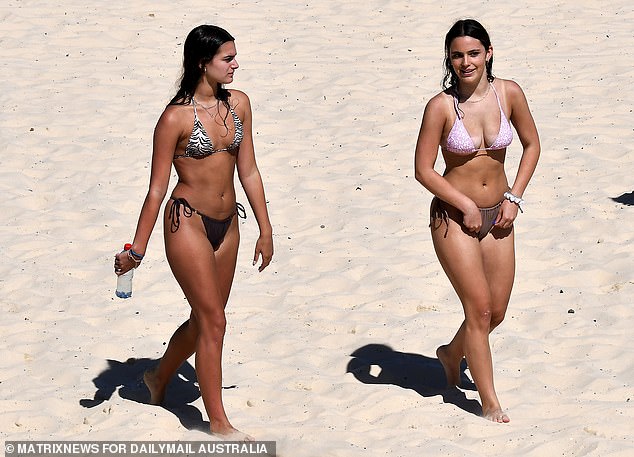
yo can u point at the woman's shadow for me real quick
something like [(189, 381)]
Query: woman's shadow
[(380, 364), (625, 199), (127, 377)]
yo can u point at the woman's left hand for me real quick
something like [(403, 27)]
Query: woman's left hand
[(264, 248), (508, 213)]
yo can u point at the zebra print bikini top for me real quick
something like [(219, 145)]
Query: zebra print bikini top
[(200, 145)]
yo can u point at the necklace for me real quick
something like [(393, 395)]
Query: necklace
[(206, 108), (481, 98)]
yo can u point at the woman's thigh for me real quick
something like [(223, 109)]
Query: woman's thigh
[(202, 276), (498, 253), (226, 257), (460, 255)]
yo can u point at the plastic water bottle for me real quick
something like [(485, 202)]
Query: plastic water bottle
[(124, 281)]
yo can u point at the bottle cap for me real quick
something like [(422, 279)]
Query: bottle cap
[(127, 246)]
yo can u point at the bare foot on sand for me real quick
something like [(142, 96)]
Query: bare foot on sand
[(230, 434), (157, 391), (452, 369), (497, 415)]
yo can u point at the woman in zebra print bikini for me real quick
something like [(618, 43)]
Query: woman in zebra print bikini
[(206, 133)]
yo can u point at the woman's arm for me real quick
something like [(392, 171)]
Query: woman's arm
[(251, 181), (166, 135), (434, 119), (525, 126)]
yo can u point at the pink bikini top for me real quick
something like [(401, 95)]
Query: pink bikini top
[(460, 142)]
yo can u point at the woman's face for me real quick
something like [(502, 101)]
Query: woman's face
[(468, 58), (221, 68)]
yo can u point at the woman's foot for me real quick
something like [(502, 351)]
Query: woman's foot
[(156, 388), (497, 415), (228, 433), (451, 366)]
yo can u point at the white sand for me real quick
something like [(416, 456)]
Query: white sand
[(337, 90)]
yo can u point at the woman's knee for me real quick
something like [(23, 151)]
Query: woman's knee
[(211, 321), (479, 316), (496, 318)]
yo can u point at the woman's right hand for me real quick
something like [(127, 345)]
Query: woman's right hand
[(123, 263), (472, 219)]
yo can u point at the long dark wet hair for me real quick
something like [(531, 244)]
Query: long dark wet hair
[(470, 28), (201, 45)]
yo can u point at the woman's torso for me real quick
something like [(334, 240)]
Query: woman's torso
[(205, 158), (474, 142)]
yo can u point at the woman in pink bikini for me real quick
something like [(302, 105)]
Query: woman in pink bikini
[(474, 207)]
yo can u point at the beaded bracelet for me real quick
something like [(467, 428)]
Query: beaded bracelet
[(135, 254), (136, 261), (515, 199)]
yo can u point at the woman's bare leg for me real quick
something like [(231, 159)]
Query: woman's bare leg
[(498, 250), (206, 279), (181, 346), (499, 261), (461, 257), (451, 355)]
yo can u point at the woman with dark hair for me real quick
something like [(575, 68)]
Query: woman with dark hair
[(205, 133), (474, 207)]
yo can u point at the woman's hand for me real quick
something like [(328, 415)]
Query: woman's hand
[(507, 214), (264, 248), (123, 263), (472, 219)]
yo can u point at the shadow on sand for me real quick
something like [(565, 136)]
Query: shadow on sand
[(127, 377), (424, 375), (625, 199)]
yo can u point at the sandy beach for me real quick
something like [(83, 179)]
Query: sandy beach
[(331, 350)]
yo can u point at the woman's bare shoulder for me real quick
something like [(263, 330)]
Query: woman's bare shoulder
[(237, 96), (240, 102), (508, 87), (439, 103), (175, 118), (175, 113)]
